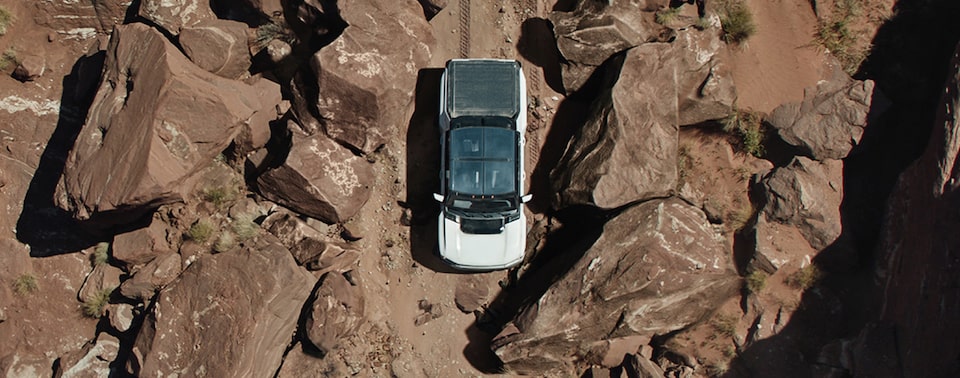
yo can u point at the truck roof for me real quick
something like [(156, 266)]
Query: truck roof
[(483, 87)]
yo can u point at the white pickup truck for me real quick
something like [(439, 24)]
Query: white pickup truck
[(483, 118)]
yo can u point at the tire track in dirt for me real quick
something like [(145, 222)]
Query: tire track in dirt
[(529, 9), (464, 28)]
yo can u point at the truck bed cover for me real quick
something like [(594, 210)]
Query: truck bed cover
[(483, 88)]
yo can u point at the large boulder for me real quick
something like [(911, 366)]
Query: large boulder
[(806, 194), (174, 15), (829, 122), (66, 16), (358, 88), (142, 245), (658, 267), (156, 120), (594, 31), (235, 313), (218, 46), (705, 84), (310, 248), (627, 150), (320, 179), (93, 360), (336, 312), (920, 248)]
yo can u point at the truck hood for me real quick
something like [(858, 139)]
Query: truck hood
[(482, 251)]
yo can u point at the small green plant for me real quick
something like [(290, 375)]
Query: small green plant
[(245, 227), (219, 195), (200, 231), (666, 16), (25, 284), (9, 58), (725, 325), (804, 277), (756, 281), (6, 18), (747, 126), (736, 21), (277, 28), (95, 305), (225, 242), (101, 254)]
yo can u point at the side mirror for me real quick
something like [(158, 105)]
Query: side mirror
[(526, 198), (437, 197)]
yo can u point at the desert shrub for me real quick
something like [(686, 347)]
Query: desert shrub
[(245, 227), (200, 231), (101, 254), (25, 284), (219, 195), (804, 277), (736, 21), (725, 325), (276, 28), (6, 18), (8, 59), (225, 242), (684, 164), (756, 281), (95, 305), (666, 16), (747, 126)]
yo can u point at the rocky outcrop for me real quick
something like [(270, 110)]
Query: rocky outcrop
[(152, 277), (806, 194), (29, 68), (234, 312), (320, 179), (174, 15), (829, 122), (920, 250), (471, 293), (156, 120), (308, 246), (218, 46), (658, 267), (336, 312), (357, 88), (93, 360), (102, 277), (594, 31), (705, 84), (142, 245), (627, 150)]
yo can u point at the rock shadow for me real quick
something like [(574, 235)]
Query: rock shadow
[(423, 171), (46, 228), (538, 45), (908, 62)]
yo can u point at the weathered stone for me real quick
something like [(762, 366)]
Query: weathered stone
[(29, 68), (705, 84), (154, 276), (93, 360), (776, 245), (120, 315), (357, 89), (278, 50), (142, 245), (174, 15), (471, 292), (320, 179), (829, 122), (627, 149), (920, 248), (288, 228), (658, 267), (255, 131), (595, 31), (235, 312), (103, 277), (66, 16), (174, 120), (218, 46), (336, 312), (807, 194), (640, 367)]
